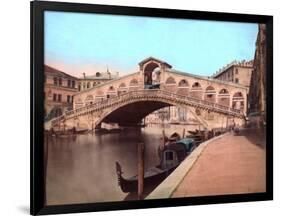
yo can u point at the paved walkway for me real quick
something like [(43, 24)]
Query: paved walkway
[(229, 165)]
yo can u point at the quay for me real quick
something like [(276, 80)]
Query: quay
[(228, 164)]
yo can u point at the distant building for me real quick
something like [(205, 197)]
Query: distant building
[(171, 114), (237, 72), (89, 81), (58, 91), (257, 92)]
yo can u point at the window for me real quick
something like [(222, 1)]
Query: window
[(169, 155), (88, 84), (236, 80), (68, 99), (60, 82), (236, 71), (73, 84), (54, 97), (69, 83), (59, 97), (242, 105), (55, 81)]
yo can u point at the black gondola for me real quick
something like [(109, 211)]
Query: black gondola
[(172, 155)]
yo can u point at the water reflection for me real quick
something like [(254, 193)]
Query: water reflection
[(81, 169)]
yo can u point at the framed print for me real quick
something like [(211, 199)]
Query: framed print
[(139, 107)]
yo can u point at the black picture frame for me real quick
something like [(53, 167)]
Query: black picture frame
[(37, 205)]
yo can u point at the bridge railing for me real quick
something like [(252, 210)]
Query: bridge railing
[(146, 93)]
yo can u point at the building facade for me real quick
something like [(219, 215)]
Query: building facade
[(237, 72), (59, 92), (171, 115), (257, 92), (90, 81)]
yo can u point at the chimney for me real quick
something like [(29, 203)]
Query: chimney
[(84, 75)]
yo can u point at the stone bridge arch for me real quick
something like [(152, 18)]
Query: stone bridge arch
[(121, 113)]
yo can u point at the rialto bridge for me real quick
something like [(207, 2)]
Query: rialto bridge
[(128, 99)]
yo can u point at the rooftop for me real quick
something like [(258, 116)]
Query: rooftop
[(242, 63), (51, 70), (100, 76)]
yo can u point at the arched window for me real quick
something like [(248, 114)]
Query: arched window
[(210, 94), (134, 82), (99, 95), (183, 83), (196, 91), (170, 81), (224, 97), (238, 101), (122, 85), (224, 91), (210, 89), (196, 85), (111, 88), (148, 72), (238, 95), (89, 100)]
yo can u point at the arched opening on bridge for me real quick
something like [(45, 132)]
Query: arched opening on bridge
[(111, 92), (224, 97), (56, 112), (196, 90), (99, 95), (89, 100), (151, 74), (170, 84), (183, 87), (133, 85), (210, 94), (122, 88), (133, 113), (78, 103), (238, 101)]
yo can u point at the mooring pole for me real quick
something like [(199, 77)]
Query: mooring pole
[(140, 170), (46, 154), (183, 133), (163, 135)]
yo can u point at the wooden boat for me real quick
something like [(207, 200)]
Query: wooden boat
[(174, 137), (110, 127), (195, 132), (172, 155), (68, 132)]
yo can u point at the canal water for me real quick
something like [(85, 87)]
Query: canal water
[(81, 169)]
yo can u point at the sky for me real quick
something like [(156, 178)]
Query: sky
[(79, 42)]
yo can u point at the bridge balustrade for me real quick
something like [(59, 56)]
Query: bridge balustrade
[(142, 94)]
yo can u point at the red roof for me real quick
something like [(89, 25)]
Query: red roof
[(48, 69)]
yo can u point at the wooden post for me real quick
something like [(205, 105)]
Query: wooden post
[(163, 143), (140, 170), (46, 154), (183, 133)]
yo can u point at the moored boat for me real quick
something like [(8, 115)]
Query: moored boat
[(172, 155)]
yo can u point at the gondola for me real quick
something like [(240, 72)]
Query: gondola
[(195, 132), (172, 155)]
